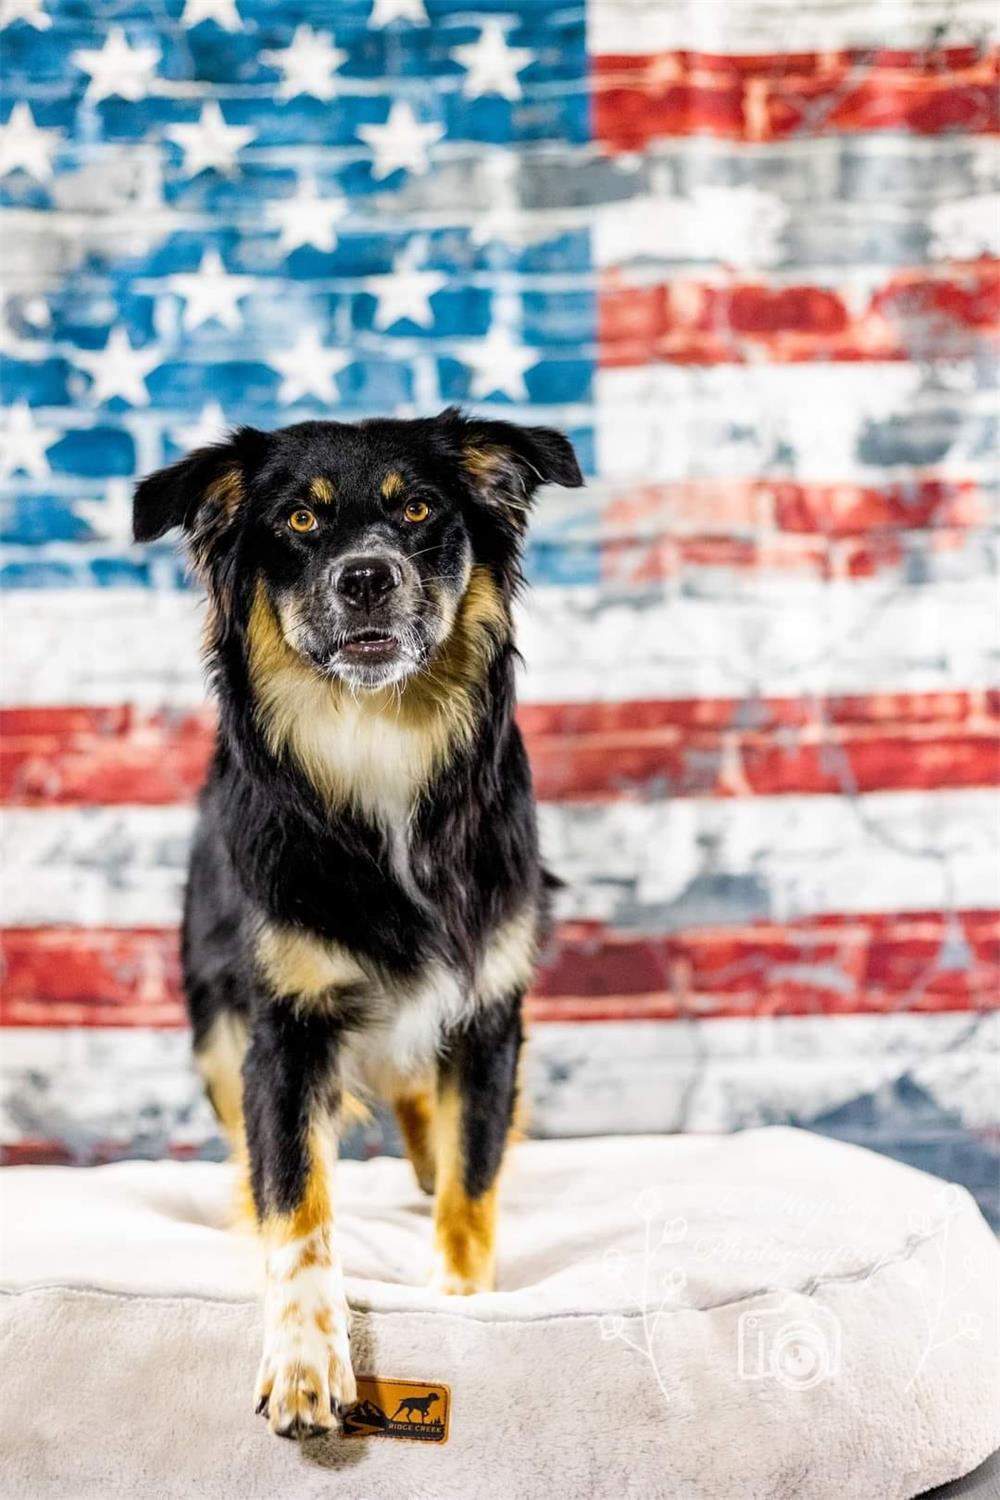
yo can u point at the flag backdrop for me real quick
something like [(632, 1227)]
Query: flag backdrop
[(745, 253)]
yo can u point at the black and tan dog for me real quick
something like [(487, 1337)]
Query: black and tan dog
[(365, 897)]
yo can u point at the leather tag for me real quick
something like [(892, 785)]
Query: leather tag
[(409, 1409)]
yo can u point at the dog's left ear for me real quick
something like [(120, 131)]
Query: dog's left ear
[(207, 484), (507, 463)]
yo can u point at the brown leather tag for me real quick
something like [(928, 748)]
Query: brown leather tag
[(406, 1409)]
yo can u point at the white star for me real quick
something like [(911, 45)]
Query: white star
[(23, 445), (222, 12), (29, 11), (499, 364), (109, 519), (405, 293), (492, 65), (210, 142), (210, 292), (306, 219), (385, 11), (117, 68), (210, 426), (401, 142), (118, 369), (36, 313), (309, 368), (308, 64), (26, 145)]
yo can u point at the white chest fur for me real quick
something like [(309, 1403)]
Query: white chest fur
[(407, 1030), (361, 756)]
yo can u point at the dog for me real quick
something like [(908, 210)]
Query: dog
[(419, 1404), (365, 899)]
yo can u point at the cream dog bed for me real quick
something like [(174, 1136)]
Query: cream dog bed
[(754, 1317)]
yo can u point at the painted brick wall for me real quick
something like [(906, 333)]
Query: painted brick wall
[(747, 256)]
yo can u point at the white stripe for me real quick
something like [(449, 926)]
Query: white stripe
[(672, 235), (703, 633), (755, 26), (730, 1074), (746, 635), (583, 1079), (657, 421), (96, 866), (69, 646), (740, 224), (691, 861), (967, 229), (651, 865)]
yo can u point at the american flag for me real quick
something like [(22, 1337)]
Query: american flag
[(746, 255)]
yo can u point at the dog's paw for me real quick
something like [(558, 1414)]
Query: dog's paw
[(305, 1378), (303, 1393), (451, 1283)]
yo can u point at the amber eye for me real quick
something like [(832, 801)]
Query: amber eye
[(302, 520), (416, 511)]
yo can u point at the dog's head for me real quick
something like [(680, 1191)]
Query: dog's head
[(362, 542)]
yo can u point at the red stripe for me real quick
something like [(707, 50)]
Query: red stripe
[(61, 756), (79, 976), (647, 559), (693, 747), (831, 965), (770, 97), (833, 511), (36, 1151), (948, 309), (828, 966)]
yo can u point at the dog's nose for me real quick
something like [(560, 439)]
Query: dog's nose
[(365, 581)]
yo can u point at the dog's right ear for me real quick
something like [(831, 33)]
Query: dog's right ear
[(210, 477)]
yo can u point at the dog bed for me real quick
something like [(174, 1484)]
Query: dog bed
[(754, 1317)]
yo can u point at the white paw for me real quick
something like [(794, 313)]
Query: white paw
[(305, 1378)]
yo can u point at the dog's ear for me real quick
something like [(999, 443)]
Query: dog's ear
[(544, 455), (507, 463), (208, 480)]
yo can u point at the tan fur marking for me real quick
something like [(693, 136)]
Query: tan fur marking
[(314, 1211), (354, 1111), (482, 463), (464, 1227), (324, 1320), (296, 963), (219, 1060), (508, 963), (226, 492), (392, 485), (220, 503), (244, 1208), (321, 490), (415, 1116), (311, 1255), (498, 478), (290, 1313), (434, 710)]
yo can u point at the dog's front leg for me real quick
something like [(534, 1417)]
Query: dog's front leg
[(477, 1084), (291, 1106)]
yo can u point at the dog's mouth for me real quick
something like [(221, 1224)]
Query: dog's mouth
[(369, 647)]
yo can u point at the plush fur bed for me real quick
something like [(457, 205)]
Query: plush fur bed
[(755, 1317)]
